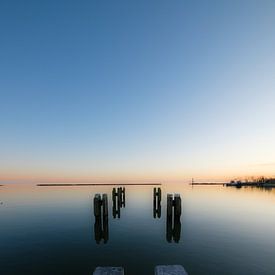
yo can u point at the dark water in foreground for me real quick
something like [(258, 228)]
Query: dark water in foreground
[(50, 230)]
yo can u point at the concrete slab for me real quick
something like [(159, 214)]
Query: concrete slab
[(109, 270), (170, 270)]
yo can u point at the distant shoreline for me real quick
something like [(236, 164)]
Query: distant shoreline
[(207, 183), (94, 184)]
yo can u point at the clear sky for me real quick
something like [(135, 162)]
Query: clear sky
[(136, 90)]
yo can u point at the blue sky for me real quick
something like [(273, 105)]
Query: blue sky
[(136, 90)]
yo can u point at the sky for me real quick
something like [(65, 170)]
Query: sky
[(94, 91)]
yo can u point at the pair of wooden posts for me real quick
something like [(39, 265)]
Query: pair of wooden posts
[(101, 227), (173, 224), (118, 196), (157, 203)]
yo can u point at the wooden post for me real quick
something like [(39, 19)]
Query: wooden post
[(159, 209), (101, 229), (119, 197), (123, 197), (173, 224), (97, 205), (118, 200), (169, 205), (159, 194), (157, 203), (177, 208), (105, 204)]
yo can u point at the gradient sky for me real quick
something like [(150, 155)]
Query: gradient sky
[(136, 90)]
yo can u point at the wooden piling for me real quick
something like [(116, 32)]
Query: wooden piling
[(105, 204), (119, 197), (173, 224), (114, 194), (123, 197), (177, 208), (101, 228), (97, 205), (169, 205), (156, 202), (159, 194)]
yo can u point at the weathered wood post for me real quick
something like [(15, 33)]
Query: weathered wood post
[(97, 205), (157, 203), (118, 200), (159, 194), (123, 197), (116, 209), (169, 205), (114, 203), (177, 205), (101, 230), (154, 203), (119, 197), (173, 224), (105, 204)]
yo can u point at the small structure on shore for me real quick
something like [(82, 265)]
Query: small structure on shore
[(258, 182)]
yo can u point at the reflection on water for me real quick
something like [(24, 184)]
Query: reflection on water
[(101, 229), (173, 230), (226, 230)]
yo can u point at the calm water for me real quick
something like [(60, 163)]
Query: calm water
[(52, 230)]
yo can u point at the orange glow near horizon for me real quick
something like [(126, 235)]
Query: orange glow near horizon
[(145, 176)]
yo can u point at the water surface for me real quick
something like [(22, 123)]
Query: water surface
[(52, 230)]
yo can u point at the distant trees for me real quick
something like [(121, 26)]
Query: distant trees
[(256, 180)]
